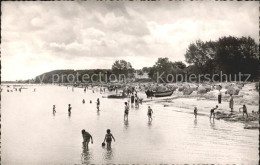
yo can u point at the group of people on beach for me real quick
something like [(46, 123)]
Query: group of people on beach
[(231, 106)]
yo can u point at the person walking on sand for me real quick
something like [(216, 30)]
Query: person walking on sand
[(219, 96), (212, 112), (126, 111), (244, 110), (69, 109), (231, 103), (98, 104), (195, 112), (86, 138), (108, 138), (149, 113)]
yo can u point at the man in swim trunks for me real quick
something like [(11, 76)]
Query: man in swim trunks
[(212, 112), (149, 113), (126, 111), (108, 138), (86, 138)]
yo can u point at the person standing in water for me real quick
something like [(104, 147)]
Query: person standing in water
[(212, 112), (132, 98), (98, 104), (83, 101), (53, 110), (244, 110), (69, 109), (231, 103), (126, 111), (86, 138), (149, 113), (195, 112), (108, 138), (219, 96)]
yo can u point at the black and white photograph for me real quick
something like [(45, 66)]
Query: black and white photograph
[(129, 82)]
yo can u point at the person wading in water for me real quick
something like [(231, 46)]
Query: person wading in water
[(108, 138), (86, 138)]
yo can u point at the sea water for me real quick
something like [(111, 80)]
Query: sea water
[(32, 134)]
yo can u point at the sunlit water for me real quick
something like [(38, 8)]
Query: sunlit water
[(32, 135)]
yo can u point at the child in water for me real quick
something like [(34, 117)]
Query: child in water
[(244, 110), (69, 109), (108, 138), (212, 112), (98, 104), (149, 113), (54, 107), (126, 111)]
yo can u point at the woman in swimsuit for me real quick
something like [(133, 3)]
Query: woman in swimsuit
[(108, 138)]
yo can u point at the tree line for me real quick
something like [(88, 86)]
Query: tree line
[(228, 55)]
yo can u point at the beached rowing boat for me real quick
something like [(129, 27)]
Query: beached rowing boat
[(115, 97), (162, 94)]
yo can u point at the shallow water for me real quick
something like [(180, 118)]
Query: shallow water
[(31, 134)]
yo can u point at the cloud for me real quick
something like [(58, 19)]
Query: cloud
[(90, 34)]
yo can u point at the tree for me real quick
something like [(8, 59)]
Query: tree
[(164, 67), (236, 55), (122, 67), (199, 53), (230, 55), (179, 65)]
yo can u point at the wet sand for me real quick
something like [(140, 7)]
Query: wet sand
[(32, 135)]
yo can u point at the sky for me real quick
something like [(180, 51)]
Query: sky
[(38, 37)]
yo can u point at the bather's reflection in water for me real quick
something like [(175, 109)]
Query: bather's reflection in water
[(126, 124), (149, 123), (212, 124), (195, 122), (98, 115), (86, 155), (108, 154)]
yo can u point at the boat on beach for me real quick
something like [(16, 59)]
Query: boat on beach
[(116, 97), (159, 94), (162, 94)]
